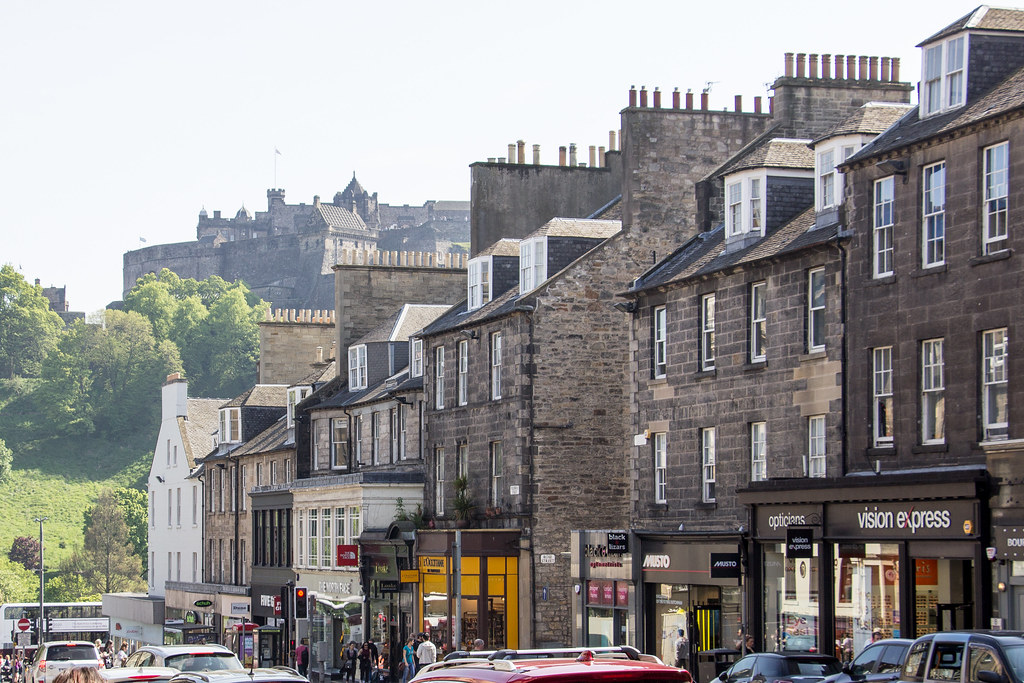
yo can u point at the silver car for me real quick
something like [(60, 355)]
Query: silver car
[(53, 657), (185, 657)]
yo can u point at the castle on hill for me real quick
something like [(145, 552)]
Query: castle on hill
[(285, 254)]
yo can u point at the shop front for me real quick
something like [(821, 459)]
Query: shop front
[(269, 608), (390, 601), (335, 611), (189, 614), (835, 568), (691, 584), (468, 587), (604, 611)]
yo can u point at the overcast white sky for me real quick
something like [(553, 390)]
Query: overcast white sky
[(120, 120)]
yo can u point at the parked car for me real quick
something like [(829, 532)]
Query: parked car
[(134, 674), (184, 657), (611, 651), (768, 667), (277, 674), (965, 657), (585, 668), (800, 644), (53, 657), (879, 661)]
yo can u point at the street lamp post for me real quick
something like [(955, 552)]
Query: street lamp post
[(42, 617)]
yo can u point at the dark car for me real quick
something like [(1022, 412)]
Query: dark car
[(965, 657), (767, 667), (879, 661)]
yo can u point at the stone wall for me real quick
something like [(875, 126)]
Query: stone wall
[(294, 343)]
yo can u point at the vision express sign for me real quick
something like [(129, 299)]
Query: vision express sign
[(941, 519)]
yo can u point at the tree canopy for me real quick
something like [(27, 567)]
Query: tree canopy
[(105, 562), (28, 328), (212, 322), (133, 505)]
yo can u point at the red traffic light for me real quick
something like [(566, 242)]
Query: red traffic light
[(300, 593), (301, 604)]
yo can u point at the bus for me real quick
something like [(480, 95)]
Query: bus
[(65, 621)]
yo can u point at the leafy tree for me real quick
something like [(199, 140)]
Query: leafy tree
[(103, 377), (105, 562), (133, 505), (6, 458), (17, 584), (28, 328), (212, 322), (25, 551), (69, 586)]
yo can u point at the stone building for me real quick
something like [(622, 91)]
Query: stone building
[(295, 343)]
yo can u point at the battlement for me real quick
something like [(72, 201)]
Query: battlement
[(402, 259), (847, 67), (291, 315), (566, 155)]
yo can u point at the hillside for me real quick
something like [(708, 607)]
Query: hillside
[(59, 477)]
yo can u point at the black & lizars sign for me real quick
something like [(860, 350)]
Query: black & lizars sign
[(618, 542), (725, 565), (799, 542)]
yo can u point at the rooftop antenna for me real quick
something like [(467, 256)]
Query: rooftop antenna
[(707, 86)]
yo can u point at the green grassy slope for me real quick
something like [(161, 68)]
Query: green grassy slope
[(59, 477)]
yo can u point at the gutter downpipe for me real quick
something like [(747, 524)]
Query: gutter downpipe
[(843, 355)]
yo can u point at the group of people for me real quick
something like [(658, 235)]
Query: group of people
[(112, 656), (12, 668)]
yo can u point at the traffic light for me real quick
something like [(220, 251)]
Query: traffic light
[(301, 604)]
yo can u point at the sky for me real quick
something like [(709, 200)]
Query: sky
[(121, 120)]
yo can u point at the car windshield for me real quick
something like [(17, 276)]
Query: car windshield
[(203, 661), (1015, 658), (64, 653)]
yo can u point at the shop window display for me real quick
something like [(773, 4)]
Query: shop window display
[(867, 580), (709, 617), (791, 600)]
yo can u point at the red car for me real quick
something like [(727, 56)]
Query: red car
[(585, 668)]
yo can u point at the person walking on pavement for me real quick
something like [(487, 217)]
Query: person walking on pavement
[(426, 653), (364, 663), (351, 658), (408, 661), (302, 656)]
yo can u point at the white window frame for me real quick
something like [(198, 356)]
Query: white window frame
[(243, 493), (944, 76), (707, 460), (416, 357), (439, 378), (816, 299), (660, 341), (816, 463), (393, 432), (659, 446), (230, 425), (828, 184), (734, 207), (882, 417), (495, 366), (933, 387), (357, 439), (745, 203), (933, 215), (533, 263), (439, 482), (884, 220), (995, 186), (273, 472), (338, 426), (994, 383), (327, 558), (375, 437), (462, 460), (755, 205), (758, 451), (478, 282), (295, 396), (496, 465), (462, 381), (758, 321), (402, 432), (357, 367), (707, 332)]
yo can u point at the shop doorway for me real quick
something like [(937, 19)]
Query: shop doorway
[(705, 615), (943, 591)]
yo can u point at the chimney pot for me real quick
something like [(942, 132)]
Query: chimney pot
[(704, 101), (851, 67), (572, 154), (316, 200), (812, 63), (757, 105), (826, 66), (863, 70), (593, 157), (632, 95), (873, 68), (600, 157), (886, 73), (675, 98), (689, 100), (789, 65), (521, 147), (611, 140), (561, 155), (840, 60), (895, 69), (319, 354), (511, 153), (801, 59), (643, 98), (536, 155), (739, 103), (657, 98)]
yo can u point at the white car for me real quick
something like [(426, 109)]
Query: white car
[(53, 657), (184, 657)]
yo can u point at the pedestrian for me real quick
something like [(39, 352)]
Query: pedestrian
[(122, 655), (876, 635), (846, 647), (682, 650), (302, 656), (408, 660), (479, 644), (79, 674), (364, 663), (426, 653), (351, 658)]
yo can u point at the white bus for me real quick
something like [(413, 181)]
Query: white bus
[(65, 621)]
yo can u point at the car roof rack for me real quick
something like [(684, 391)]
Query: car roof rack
[(568, 652), (471, 662)]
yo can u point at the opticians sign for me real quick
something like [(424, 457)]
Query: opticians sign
[(949, 519)]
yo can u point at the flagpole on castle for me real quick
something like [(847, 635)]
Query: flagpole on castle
[(277, 153)]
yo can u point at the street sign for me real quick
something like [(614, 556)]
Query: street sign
[(24, 624)]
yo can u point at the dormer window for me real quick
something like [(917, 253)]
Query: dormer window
[(415, 357), (744, 197), (230, 425), (357, 367), (479, 282), (295, 396), (533, 263), (828, 189), (944, 76)]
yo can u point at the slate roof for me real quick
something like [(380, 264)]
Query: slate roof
[(577, 227), (506, 246), (262, 395), (337, 217), (1005, 97), (203, 420), (400, 382), (402, 323), (771, 153), (451, 205), (705, 253), (353, 186), (873, 118), (324, 374), (983, 18), (273, 438)]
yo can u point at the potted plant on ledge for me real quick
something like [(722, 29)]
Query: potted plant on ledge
[(463, 502)]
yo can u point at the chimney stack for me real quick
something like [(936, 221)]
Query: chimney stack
[(632, 95), (593, 157), (611, 140), (657, 98), (643, 95), (536, 155), (561, 155), (689, 100), (826, 66), (739, 103), (600, 157), (704, 101), (675, 98), (572, 154), (521, 146), (801, 58), (511, 153)]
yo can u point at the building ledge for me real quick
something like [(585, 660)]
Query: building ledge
[(1000, 255)]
